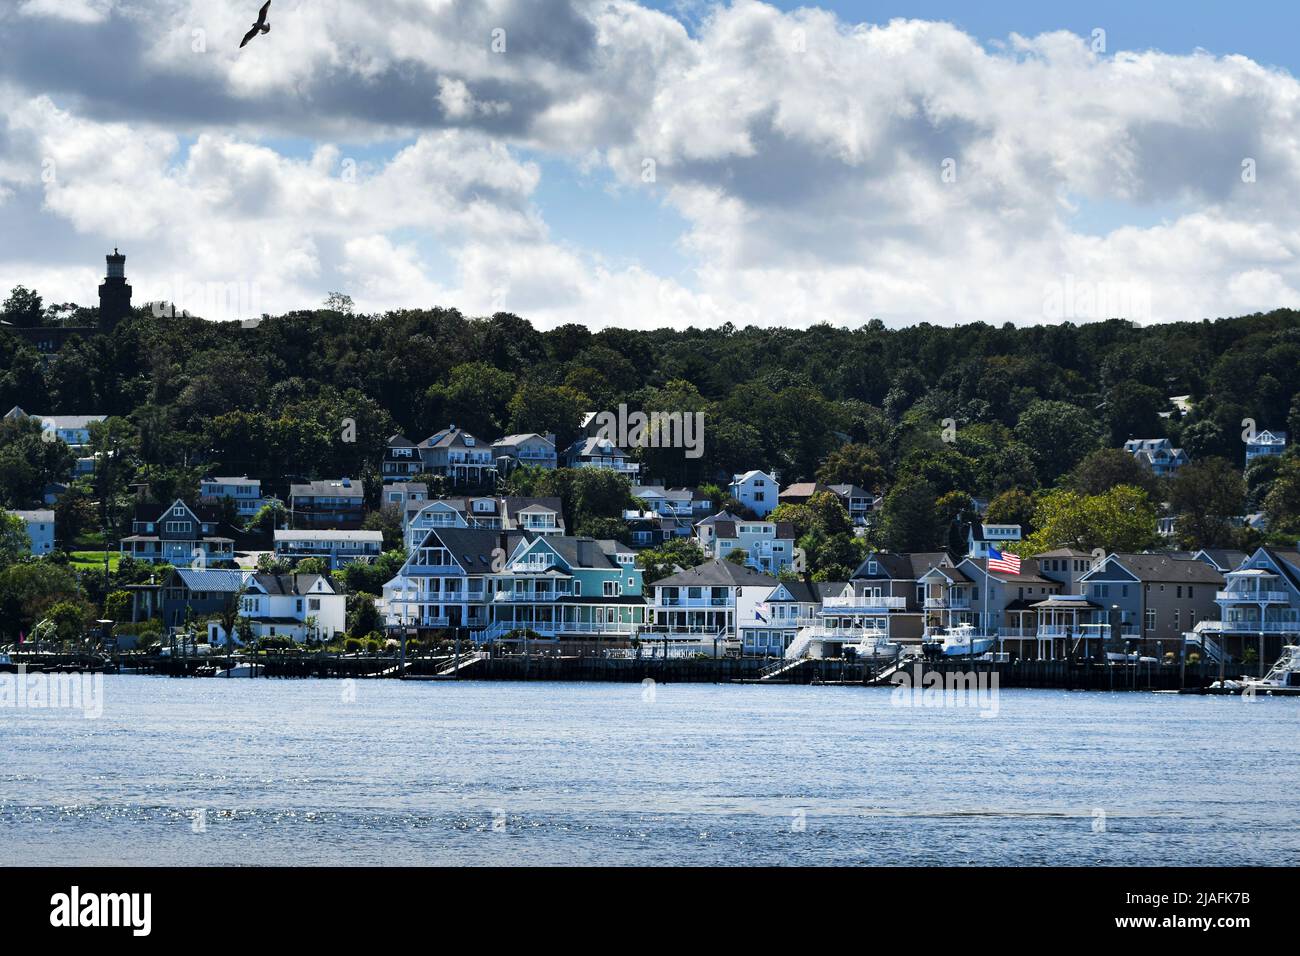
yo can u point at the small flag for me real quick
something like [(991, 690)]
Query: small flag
[(760, 612), (1004, 561)]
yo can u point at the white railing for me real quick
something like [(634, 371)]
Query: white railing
[(1252, 627), (1279, 597), (958, 604), (865, 603)]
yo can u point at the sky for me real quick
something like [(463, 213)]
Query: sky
[(670, 163)]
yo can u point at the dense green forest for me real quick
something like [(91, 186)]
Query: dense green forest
[(930, 416)]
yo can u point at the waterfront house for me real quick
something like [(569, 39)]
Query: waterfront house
[(568, 589), (1265, 444), (329, 503), (947, 597), (756, 490), (177, 534), (699, 606), (1157, 597), (1259, 607), (769, 546), (193, 594), (40, 529), (684, 504), (789, 606), (537, 515), (888, 595), (1007, 605), (338, 548), (459, 456), (600, 453), (1157, 454), (245, 492), (526, 448), (297, 606), (445, 583), (402, 460)]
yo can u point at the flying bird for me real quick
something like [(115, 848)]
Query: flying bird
[(261, 26)]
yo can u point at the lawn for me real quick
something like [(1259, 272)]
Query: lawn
[(94, 560)]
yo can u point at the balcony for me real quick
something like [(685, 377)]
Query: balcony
[(700, 602), (1253, 597), (947, 603), (1252, 627), (524, 597), (865, 604)]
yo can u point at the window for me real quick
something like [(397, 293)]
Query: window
[(611, 588), (1124, 591), (1177, 616), (1151, 619), (631, 582)]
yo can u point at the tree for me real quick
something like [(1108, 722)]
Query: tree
[(737, 556), (1012, 507), (1133, 411), (363, 617), (1282, 504), (30, 588), (117, 606), (909, 521), (1121, 519), (1206, 496), (547, 409), (389, 521), (15, 543), (853, 464), (23, 308), (1057, 435), (69, 619), (660, 562), (1105, 468), (312, 566), (228, 616)]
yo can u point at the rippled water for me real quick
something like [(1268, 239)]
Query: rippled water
[(291, 772)]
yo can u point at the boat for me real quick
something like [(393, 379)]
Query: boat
[(1283, 676), (960, 640), (872, 645), (243, 669)]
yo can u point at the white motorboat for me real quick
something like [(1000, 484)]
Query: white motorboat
[(1284, 675), (960, 640)]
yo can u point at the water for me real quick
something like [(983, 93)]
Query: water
[(290, 772)]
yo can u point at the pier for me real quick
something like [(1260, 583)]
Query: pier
[(488, 665)]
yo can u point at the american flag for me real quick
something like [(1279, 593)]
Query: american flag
[(1004, 561)]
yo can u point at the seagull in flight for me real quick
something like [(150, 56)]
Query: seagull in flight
[(261, 26)]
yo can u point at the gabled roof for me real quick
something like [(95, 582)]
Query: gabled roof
[(851, 491), (451, 437), (1224, 559), (400, 441), (581, 552), (595, 447), (156, 513), (292, 584), (520, 438), (1029, 572), (717, 573), (723, 516), (473, 547), (752, 473), (1164, 569), (1287, 561), (801, 591)]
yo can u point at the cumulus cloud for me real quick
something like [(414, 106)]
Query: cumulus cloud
[(825, 170)]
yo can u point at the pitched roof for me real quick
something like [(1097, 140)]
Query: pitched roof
[(473, 547), (1163, 568), (717, 573), (1029, 572), (804, 489), (218, 580), (400, 441), (291, 583)]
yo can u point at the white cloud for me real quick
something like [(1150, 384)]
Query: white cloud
[(806, 154)]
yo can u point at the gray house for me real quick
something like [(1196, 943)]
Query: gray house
[(1158, 597)]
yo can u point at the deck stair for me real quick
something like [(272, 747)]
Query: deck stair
[(782, 670)]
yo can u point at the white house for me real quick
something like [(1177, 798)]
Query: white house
[(1265, 443), (756, 490), (298, 606), (72, 429), (338, 548), (980, 538), (40, 528), (696, 607), (402, 494)]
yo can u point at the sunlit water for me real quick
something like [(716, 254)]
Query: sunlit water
[(292, 772)]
